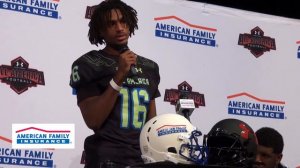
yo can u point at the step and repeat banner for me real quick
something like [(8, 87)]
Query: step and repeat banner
[(243, 65)]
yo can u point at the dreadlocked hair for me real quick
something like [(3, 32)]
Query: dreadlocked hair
[(102, 14)]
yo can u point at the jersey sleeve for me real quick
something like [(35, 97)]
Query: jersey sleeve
[(85, 80)]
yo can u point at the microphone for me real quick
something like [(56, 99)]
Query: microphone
[(185, 106), (122, 49)]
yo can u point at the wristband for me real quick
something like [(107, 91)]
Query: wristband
[(114, 85)]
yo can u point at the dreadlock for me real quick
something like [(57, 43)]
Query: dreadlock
[(102, 14)]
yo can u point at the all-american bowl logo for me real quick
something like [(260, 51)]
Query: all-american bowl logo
[(256, 107), (19, 76), (256, 42), (43, 136), (46, 8), (24, 157), (184, 31), (171, 129)]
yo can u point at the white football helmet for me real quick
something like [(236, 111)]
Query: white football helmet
[(170, 137)]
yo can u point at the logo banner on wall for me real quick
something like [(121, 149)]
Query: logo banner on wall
[(33, 136), (255, 107), (184, 31), (257, 42), (45, 8), (19, 76), (24, 157)]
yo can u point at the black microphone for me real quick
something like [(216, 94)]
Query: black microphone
[(184, 105), (122, 49)]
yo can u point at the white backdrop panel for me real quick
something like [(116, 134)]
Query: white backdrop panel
[(51, 45)]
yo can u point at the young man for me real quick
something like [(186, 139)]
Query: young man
[(269, 150), (114, 102)]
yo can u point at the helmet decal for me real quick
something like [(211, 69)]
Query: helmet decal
[(245, 131), (171, 129)]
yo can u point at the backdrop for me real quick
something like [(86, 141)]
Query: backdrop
[(245, 64)]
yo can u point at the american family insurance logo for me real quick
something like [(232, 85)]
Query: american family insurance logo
[(170, 129), (183, 31), (257, 107), (298, 51), (18, 157), (60, 136), (19, 76), (46, 8), (256, 42)]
